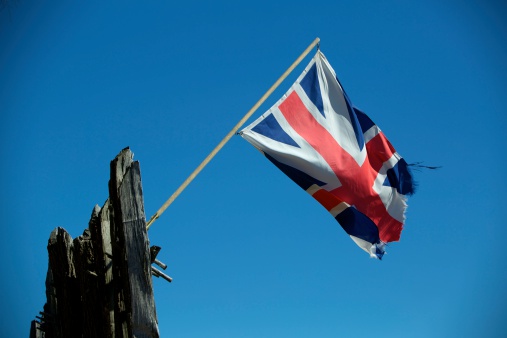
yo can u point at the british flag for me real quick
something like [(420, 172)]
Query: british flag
[(338, 155)]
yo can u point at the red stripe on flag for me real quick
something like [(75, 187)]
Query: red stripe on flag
[(328, 200), (379, 150)]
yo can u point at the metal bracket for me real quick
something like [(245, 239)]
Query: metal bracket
[(154, 250)]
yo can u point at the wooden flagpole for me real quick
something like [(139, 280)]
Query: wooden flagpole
[(230, 134)]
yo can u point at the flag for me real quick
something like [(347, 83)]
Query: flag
[(337, 154)]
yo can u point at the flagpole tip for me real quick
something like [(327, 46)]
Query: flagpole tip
[(316, 42)]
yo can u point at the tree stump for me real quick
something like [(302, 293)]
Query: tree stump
[(99, 284)]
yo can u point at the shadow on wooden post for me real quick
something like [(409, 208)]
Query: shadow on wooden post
[(99, 284)]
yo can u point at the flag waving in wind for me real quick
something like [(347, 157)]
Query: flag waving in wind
[(338, 155)]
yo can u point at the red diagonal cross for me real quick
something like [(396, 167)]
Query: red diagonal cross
[(357, 181)]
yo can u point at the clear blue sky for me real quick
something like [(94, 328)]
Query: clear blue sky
[(251, 254)]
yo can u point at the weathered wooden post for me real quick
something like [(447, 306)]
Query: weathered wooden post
[(99, 284)]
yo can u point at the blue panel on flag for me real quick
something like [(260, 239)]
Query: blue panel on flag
[(364, 121), (302, 179), (399, 177), (310, 84), (357, 224), (354, 121), (270, 127)]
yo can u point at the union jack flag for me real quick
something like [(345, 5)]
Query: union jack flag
[(338, 155)]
